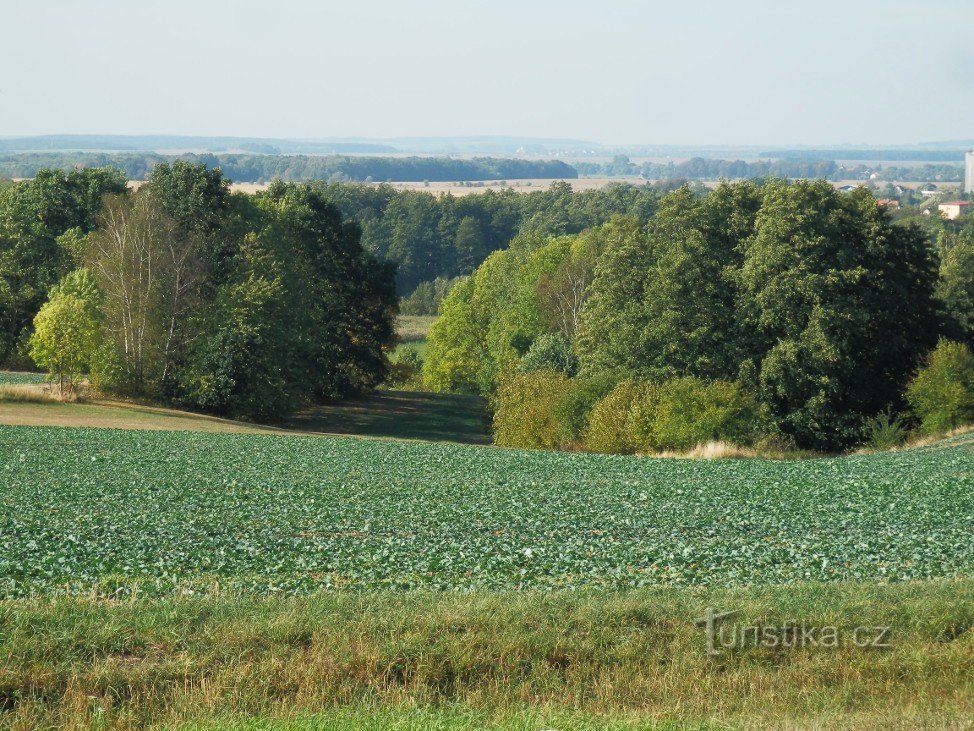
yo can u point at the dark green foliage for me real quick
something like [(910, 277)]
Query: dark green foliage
[(427, 297), (305, 313), (840, 306), (956, 287), (550, 352), (33, 215), (811, 300), (662, 304), (430, 237)]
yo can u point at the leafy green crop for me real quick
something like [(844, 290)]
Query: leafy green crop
[(101, 510), (15, 378)]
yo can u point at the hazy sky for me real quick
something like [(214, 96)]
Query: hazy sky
[(623, 71)]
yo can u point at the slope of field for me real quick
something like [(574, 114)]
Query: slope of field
[(100, 510)]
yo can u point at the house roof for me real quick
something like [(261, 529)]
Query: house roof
[(956, 203)]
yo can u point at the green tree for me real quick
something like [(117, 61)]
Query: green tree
[(942, 392), (956, 285), (471, 249), (65, 338), (837, 304), (663, 304), (33, 215)]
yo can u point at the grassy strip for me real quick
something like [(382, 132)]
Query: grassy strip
[(510, 660)]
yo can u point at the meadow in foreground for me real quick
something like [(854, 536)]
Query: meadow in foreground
[(111, 512), (567, 660)]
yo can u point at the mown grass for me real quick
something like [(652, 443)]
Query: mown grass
[(566, 660)]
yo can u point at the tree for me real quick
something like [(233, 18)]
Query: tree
[(33, 215), (550, 352), (662, 304), (837, 304), (144, 268), (942, 392), (65, 338), (956, 285), (469, 244)]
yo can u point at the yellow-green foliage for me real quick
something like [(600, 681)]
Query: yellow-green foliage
[(685, 412), (942, 393), (611, 425), (454, 351), (527, 408), (65, 337), (678, 414)]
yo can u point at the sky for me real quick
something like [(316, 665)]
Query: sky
[(686, 72)]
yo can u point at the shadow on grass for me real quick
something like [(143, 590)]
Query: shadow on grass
[(434, 417)]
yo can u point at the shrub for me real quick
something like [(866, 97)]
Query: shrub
[(405, 369), (572, 412), (689, 411), (677, 415), (610, 428), (550, 352), (885, 431), (942, 393), (526, 407)]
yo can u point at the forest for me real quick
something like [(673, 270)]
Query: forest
[(259, 168), (699, 168), (780, 313), (429, 236), (182, 293)]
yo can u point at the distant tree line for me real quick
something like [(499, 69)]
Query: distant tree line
[(780, 311), (296, 168), (869, 154), (242, 305), (699, 168)]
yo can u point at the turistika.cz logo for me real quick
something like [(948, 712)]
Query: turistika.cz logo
[(727, 635)]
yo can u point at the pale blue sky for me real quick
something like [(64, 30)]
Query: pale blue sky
[(616, 71)]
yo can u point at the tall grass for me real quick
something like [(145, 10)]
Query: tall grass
[(516, 660), (24, 393)]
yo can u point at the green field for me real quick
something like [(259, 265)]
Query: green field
[(18, 378), (436, 417), (106, 511)]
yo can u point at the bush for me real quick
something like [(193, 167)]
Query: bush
[(942, 393), (526, 408), (572, 412), (405, 369), (550, 352), (676, 415), (689, 411), (610, 425), (885, 431)]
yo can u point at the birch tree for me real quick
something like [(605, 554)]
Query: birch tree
[(147, 272)]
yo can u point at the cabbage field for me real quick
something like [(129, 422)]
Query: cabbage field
[(19, 378), (109, 512)]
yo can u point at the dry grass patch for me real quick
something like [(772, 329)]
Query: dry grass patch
[(24, 393)]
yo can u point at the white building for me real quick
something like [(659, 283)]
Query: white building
[(969, 172)]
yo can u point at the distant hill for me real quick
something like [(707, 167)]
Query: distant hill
[(160, 143), (482, 145)]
